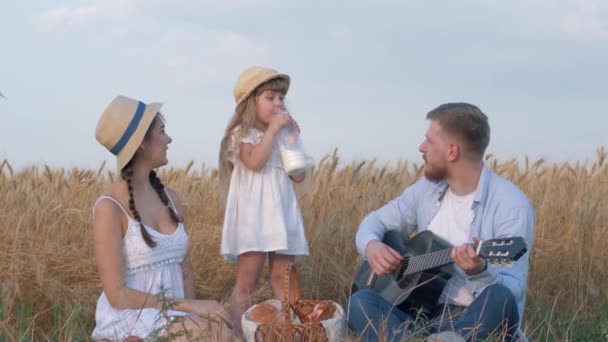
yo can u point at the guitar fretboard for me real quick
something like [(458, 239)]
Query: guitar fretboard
[(425, 262)]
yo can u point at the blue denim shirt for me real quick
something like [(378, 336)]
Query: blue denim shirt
[(500, 210)]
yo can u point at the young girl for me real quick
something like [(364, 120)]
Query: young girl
[(141, 245), (262, 216)]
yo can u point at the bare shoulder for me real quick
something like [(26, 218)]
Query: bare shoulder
[(107, 212), (107, 218)]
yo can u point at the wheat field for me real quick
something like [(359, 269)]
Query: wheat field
[(49, 283)]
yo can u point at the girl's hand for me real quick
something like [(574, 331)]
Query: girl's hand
[(298, 178), (278, 121), (295, 124)]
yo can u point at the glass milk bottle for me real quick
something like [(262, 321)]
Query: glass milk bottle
[(295, 161)]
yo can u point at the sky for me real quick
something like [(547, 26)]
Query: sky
[(364, 73)]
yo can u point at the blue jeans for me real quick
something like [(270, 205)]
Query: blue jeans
[(494, 311)]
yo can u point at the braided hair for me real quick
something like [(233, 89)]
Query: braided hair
[(160, 190), (127, 173)]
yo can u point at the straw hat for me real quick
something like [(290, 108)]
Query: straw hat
[(122, 127), (251, 78)]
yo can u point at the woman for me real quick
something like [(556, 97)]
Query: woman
[(141, 246)]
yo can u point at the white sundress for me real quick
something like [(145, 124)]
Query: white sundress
[(262, 211), (146, 269)]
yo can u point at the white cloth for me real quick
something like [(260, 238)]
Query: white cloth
[(147, 270), (453, 224), (262, 211)]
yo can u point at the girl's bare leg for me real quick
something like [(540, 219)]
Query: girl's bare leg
[(250, 267), (278, 266)]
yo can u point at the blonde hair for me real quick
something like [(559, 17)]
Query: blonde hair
[(244, 117)]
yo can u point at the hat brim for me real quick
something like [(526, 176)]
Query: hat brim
[(262, 81), (127, 153)]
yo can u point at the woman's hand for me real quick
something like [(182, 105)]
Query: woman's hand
[(208, 308)]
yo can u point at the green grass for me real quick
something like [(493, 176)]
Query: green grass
[(544, 324), (70, 324)]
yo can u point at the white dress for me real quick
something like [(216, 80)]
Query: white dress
[(146, 269), (262, 211)]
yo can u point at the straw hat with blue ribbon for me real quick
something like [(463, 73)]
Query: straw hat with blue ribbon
[(123, 125)]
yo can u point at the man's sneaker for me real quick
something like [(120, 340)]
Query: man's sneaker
[(445, 336)]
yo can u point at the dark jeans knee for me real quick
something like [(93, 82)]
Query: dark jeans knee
[(357, 302), (498, 296), (505, 317), (368, 313)]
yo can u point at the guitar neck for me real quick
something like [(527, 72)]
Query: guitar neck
[(424, 262)]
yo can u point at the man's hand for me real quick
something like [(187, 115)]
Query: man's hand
[(465, 257), (382, 259)]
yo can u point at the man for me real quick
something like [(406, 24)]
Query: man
[(460, 201)]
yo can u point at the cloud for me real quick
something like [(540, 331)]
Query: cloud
[(589, 20), (66, 17), (104, 10), (209, 54), (578, 19)]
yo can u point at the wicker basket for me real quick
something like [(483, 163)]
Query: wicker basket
[(301, 319)]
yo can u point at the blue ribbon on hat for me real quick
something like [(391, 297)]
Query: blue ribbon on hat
[(139, 113)]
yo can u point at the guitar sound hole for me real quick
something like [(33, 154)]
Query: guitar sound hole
[(400, 271)]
